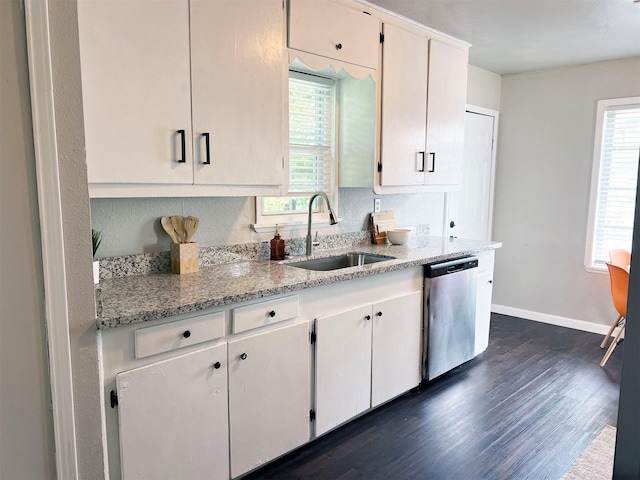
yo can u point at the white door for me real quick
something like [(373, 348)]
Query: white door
[(240, 81), (405, 57), (396, 352), (343, 367), (136, 91), (470, 209), (173, 417), (269, 395)]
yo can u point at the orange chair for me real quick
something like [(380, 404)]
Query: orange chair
[(620, 257), (619, 277)]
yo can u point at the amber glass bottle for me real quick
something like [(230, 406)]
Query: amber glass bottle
[(277, 247)]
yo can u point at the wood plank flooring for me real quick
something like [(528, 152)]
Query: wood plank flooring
[(525, 409)]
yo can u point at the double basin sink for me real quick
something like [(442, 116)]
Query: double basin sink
[(336, 262)]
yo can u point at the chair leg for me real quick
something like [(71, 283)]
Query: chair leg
[(613, 345), (613, 327)]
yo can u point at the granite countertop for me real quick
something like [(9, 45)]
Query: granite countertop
[(141, 298)]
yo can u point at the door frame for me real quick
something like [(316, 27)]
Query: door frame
[(446, 230)]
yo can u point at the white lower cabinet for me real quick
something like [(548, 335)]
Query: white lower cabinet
[(269, 395), (173, 417), (366, 356), (483, 299)]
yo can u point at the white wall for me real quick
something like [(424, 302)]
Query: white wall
[(542, 188), (26, 421), (483, 88)]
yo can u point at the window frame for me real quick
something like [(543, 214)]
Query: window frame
[(298, 220), (591, 265)]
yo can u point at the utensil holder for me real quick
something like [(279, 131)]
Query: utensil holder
[(184, 257)]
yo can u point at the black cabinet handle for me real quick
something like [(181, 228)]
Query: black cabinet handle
[(243, 356), (421, 168), (183, 146), (490, 281), (367, 317), (338, 46), (207, 148), (433, 162), (216, 365), (186, 334), (379, 314), (272, 313)]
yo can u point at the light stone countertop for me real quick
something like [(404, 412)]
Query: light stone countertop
[(141, 298)]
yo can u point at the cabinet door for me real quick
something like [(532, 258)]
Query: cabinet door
[(483, 300), (136, 91), (446, 113), (396, 352), (239, 82), (173, 417), (404, 107), (343, 367), (332, 30), (269, 395)]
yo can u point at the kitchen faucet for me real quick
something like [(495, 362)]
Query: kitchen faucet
[(332, 220)]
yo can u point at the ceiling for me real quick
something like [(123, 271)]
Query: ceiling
[(512, 36)]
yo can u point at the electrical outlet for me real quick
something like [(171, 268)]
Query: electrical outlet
[(376, 204)]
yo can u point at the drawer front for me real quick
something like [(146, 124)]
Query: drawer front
[(179, 334), (486, 261), (264, 313)]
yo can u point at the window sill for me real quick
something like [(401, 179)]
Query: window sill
[(290, 226), (596, 269)]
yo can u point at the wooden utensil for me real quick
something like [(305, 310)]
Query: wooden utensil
[(178, 225), (168, 227), (190, 226)]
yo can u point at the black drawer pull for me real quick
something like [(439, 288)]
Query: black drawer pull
[(272, 313), (186, 334), (243, 356), (339, 46), (216, 365)]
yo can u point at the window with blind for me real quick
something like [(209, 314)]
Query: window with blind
[(311, 145), (615, 173)]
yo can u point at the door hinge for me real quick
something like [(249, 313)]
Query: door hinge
[(381, 37), (313, 337), (312, 415), (113, 399), (379, 167)]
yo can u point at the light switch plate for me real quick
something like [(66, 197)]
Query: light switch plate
[(376, 204)]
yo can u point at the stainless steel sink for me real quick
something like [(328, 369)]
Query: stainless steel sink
[(352, 259)]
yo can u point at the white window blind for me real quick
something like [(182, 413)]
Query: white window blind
[(311, 132), (616, 193)]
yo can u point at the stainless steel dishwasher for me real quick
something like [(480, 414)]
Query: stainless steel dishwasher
[(449, 315)]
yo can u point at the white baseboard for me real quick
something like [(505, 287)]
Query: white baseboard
[(551, 319)]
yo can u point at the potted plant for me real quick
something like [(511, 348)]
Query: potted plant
[(96, 238)]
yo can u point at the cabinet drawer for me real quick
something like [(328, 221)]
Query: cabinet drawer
[(264, 313), (486, 261), (174, 335)]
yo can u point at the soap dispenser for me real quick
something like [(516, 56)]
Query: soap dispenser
[(277, 246)]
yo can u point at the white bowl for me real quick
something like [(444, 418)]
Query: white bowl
[(399, 236)]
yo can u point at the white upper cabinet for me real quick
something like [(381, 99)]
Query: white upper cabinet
[(239, 86), (150, 69), (332, 30), (404, 107), (424, 89), (136, 91), (446, 113)]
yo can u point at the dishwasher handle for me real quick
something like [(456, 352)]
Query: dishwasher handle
[(450, 267)]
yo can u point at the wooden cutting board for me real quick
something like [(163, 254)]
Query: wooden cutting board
[(383, 221)]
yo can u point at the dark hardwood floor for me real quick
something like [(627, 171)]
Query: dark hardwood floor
[(525, 409)]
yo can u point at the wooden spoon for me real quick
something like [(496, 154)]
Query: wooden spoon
[(178, 225), (190, 226), (168, 227)]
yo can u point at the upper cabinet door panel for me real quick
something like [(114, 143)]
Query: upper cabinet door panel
[(404, 107), (446, 113), (332, 30), (239, 87), (136, 90)]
